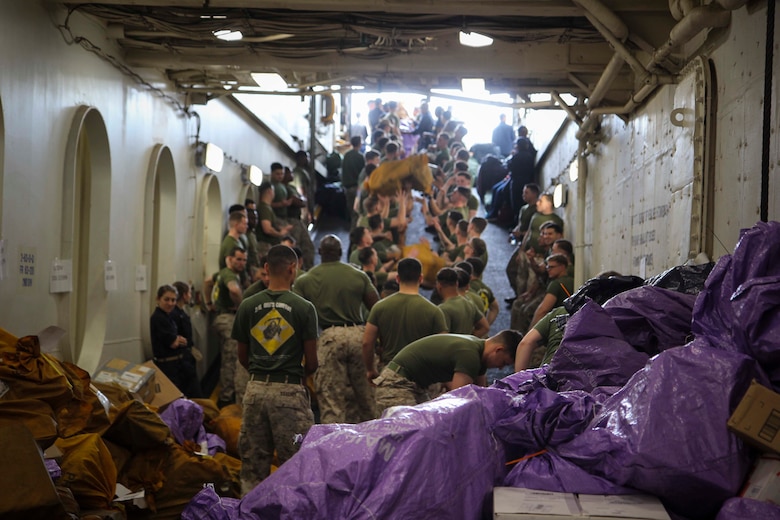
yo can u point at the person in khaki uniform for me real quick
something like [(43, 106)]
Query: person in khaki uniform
[(275, 331), (339, 291)]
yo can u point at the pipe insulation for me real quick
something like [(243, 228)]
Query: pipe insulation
[(610, 20), (698, 19)]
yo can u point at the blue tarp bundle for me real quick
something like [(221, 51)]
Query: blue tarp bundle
[(611, 419)]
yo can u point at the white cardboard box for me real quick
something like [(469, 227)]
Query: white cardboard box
[(137, 379), (529, 504), (763, 483)]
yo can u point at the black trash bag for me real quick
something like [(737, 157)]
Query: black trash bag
[(332, 199), (491, 171), (688, 279), (333, 165), (600, 290)]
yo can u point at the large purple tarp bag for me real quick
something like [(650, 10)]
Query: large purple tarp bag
[(747, 509), (593, 353), (208, 505), (665, 432), (524, 381), (756, 306), (434, 460), (549, 472), (185, 419), (652, 319), (544, 418), (739, 308)]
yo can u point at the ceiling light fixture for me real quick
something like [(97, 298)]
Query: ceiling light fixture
[(560, 195), (255, 175), (474, 39), (269, 80), (210, 155), (574, 171), (473, 86), (228, 35)]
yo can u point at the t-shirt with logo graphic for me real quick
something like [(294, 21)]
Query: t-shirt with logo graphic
[(274, 324)]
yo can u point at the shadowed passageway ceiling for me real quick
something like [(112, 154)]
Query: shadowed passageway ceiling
[(393, 45)]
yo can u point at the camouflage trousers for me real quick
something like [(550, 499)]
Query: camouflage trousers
[(518, 271), (511, 270), (343, 392), (240, 381), (223, 324), (351, 194), (393, 389), (302, 238), (276, 417), (523, 312)]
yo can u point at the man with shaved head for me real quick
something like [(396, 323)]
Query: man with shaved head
[(339, 292)]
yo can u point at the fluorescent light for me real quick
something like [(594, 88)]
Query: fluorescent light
[(574, 170), (269, 80), (560, 195), (475, 86), (214, 157), (228, 35), (255, 175), (473, 39)]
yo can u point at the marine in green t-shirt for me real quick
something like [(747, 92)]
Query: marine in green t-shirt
[(274, 324), (265, 212), (548, 332), (221, 293), (461, 315), (403, 318), (338, 291)]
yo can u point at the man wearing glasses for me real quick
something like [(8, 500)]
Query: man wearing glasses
[(559, 287)]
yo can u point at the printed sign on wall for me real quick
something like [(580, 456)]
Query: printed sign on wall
[(26, 266)]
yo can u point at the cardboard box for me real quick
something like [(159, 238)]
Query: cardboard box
[(757, 417), (763, 483), (530, 504), (165, 392), (139, 380)]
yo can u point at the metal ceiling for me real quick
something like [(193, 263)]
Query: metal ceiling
[(590, 49)]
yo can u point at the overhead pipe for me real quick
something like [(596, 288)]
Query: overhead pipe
[(635, 101), (608, 19), (613, 29), (731, 5), (566, 108), (637, 66), (611, 72), (698, 19), (680, 8), (577, 81), (579, 232)]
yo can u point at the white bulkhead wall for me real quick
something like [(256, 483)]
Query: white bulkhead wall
[(631, 173), (44, 83)]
